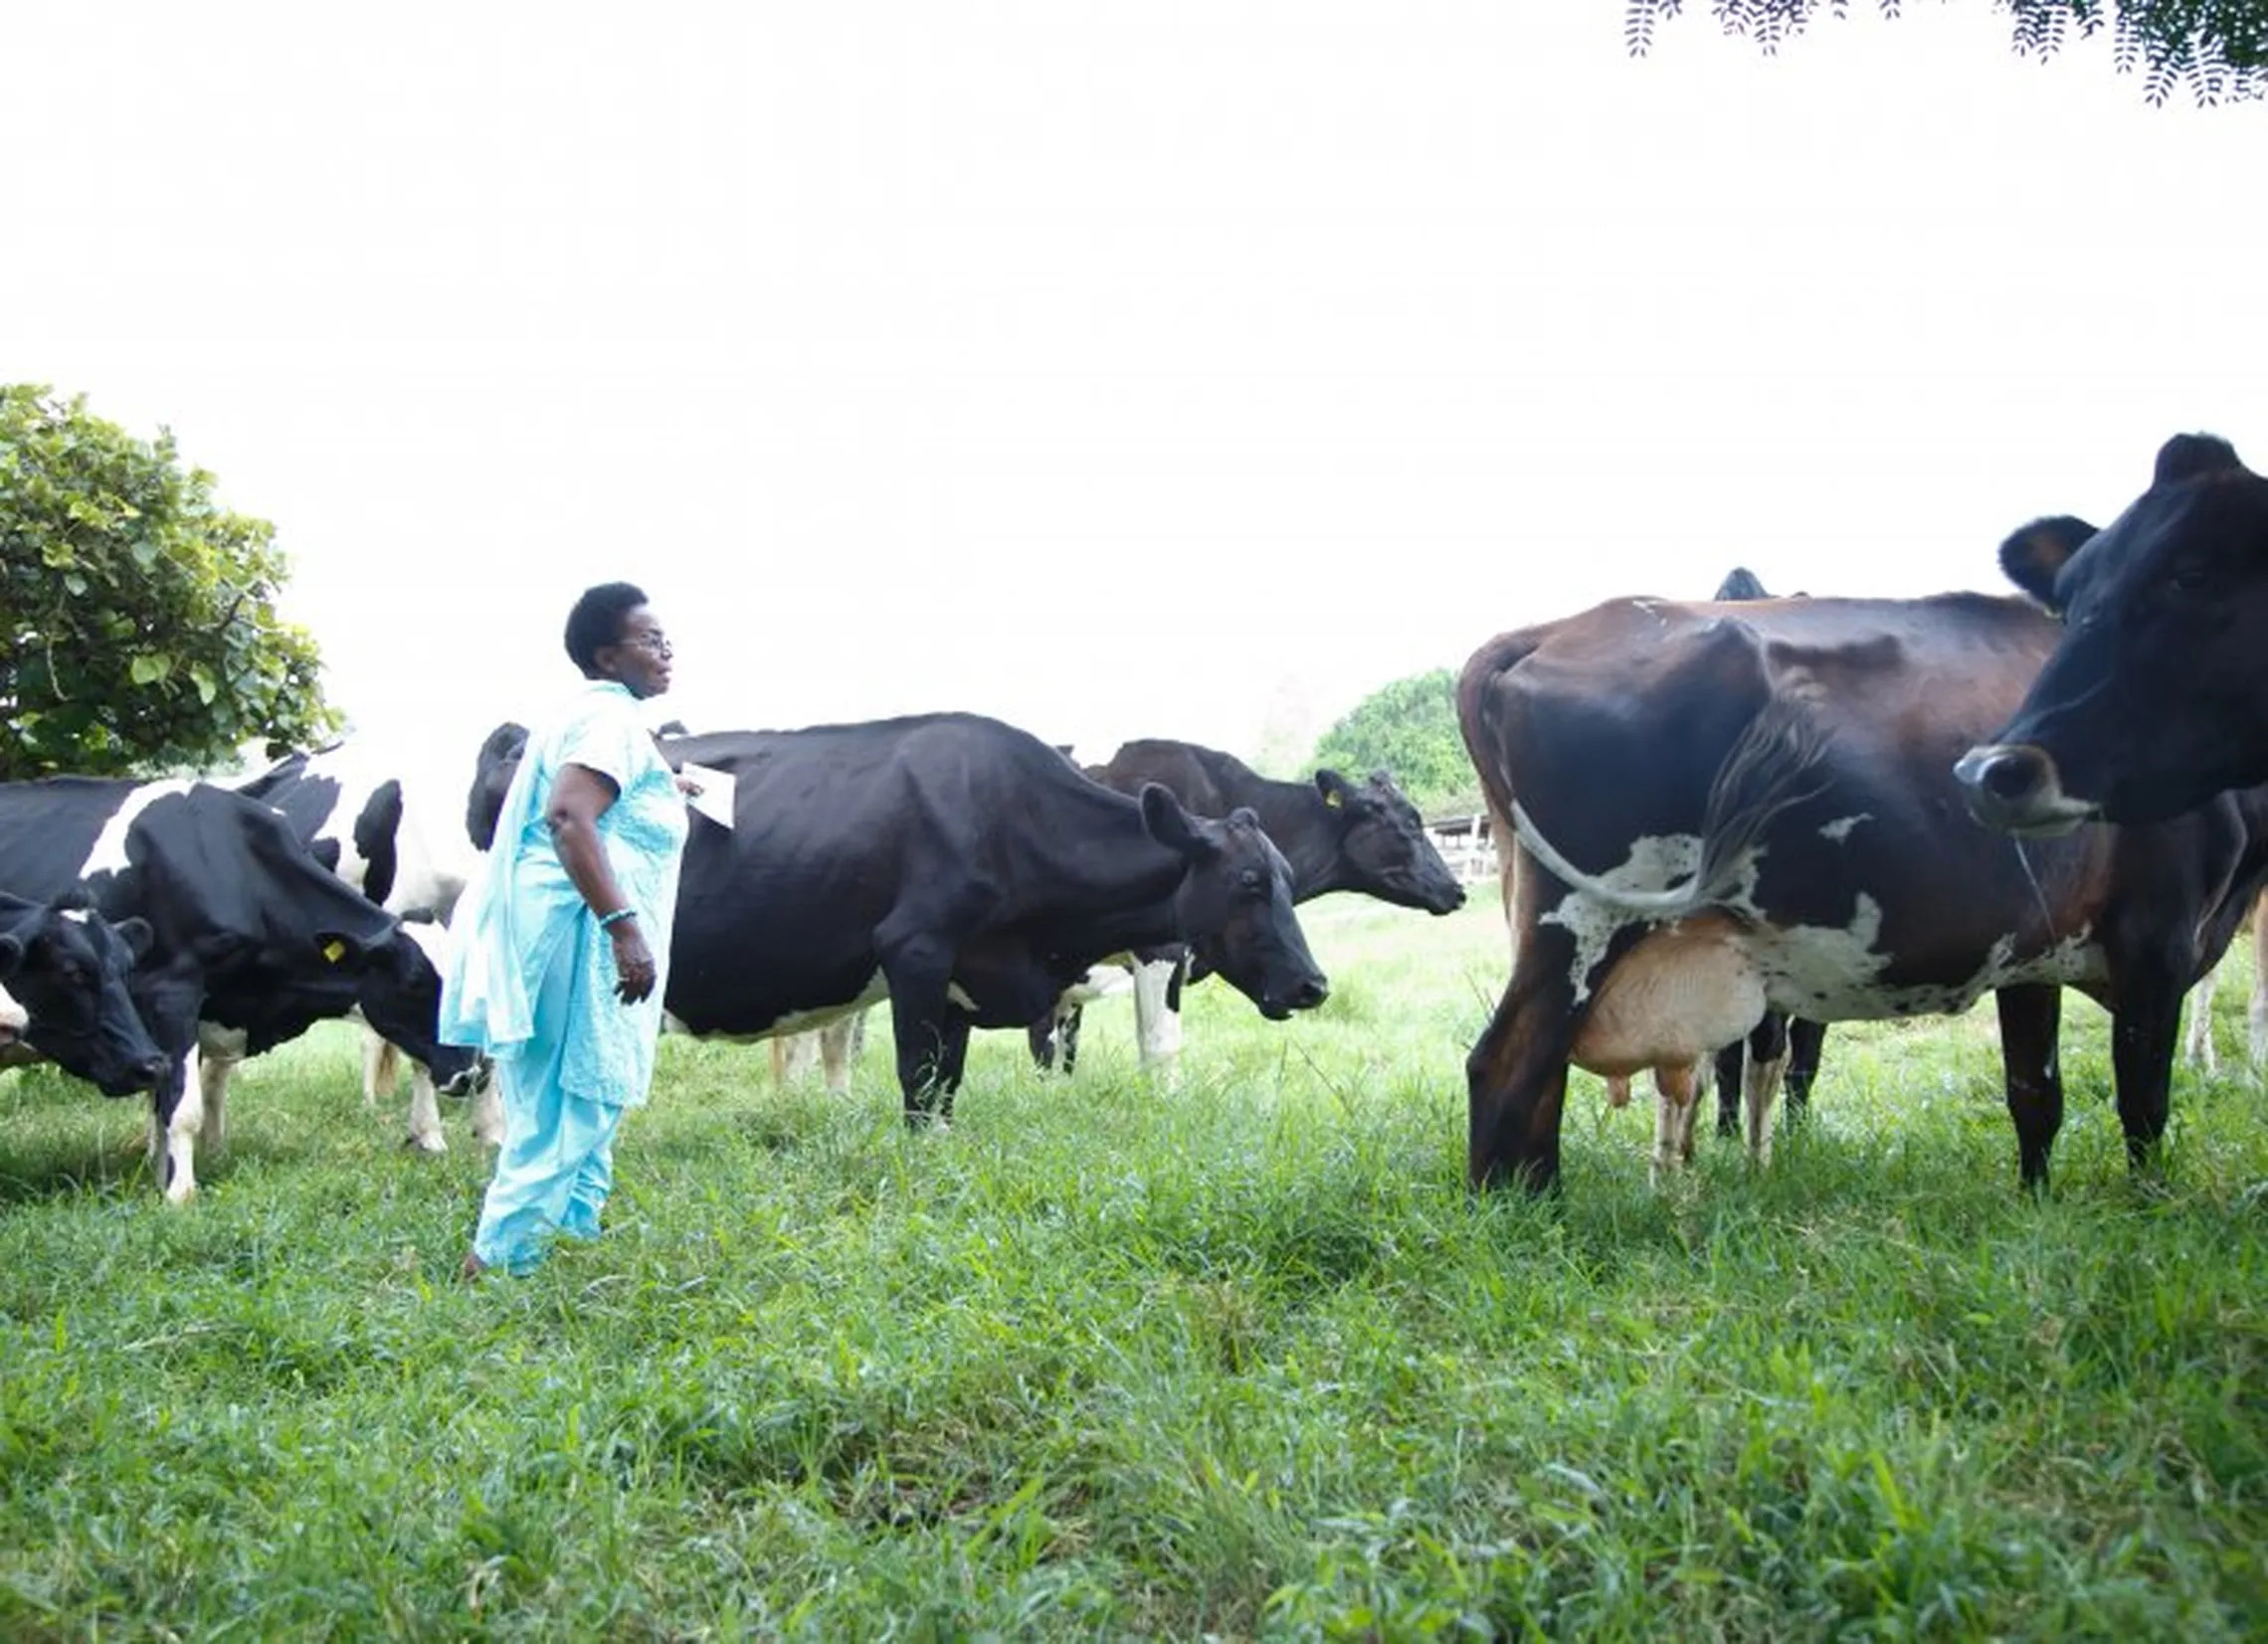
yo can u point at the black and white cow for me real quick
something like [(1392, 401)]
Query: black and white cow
[(1337, 834), (64, 976), (249, 932), (1796, 839), (958, 868), (347, 803)]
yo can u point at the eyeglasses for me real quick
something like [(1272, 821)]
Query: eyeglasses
[(653, 645)]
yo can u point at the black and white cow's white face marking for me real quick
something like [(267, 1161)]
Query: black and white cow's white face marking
[(1235, 904), (1383, 848), (67, 973)]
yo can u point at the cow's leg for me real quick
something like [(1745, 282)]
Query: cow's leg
[(1730, 1061), (380, 1063), (1805, 1041), (2197, 1030), (425, 1112), (1157, 1024), (1618, 1090), (837, 1044), (1040, 1038), (487, 1105), (177, 1114), (2143, 1032), (1677, 1096), (793, 1058), (1067, 1037), (2030, 1018), (919, 974), (1516, 1084), (219, 1053), (2257, 1016), (953, 1060), (1759, 1082)]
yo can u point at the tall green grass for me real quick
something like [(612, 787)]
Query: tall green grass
[(1240, 1360)]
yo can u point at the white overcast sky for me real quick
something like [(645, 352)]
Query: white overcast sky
[(1153, 367)]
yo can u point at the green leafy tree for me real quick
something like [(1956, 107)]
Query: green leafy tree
[(138, 616), (1408, 727), (2218, 48)]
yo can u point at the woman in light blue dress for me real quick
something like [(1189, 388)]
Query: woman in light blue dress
[(562, 943)]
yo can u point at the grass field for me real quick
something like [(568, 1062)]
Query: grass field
[(1243, 1359)]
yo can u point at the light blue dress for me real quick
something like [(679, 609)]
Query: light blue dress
[(531, 977)]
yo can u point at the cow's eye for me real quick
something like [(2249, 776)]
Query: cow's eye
[(2189, 576)]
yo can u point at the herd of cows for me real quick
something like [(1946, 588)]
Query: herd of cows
[(1737, 821)]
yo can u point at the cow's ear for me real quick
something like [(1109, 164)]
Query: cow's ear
[(136, 934), (2035, 555), (1335, 789), (1171, 825), (2187, 456)]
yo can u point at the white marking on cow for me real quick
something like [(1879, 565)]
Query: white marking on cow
[(875, 989), (173, 1150), (1654, 861), (14, 1019), (1157, 1030), (2198, 1048), (1839, 829), (110, 852), (78, 916)]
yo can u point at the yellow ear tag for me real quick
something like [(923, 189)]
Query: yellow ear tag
[(334, 950), (1332, 800)]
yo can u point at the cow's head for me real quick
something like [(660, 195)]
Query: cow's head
[(2156, 696), (1233, 904), (1384, 850), (493, 771), (68, 969), (398, 988)]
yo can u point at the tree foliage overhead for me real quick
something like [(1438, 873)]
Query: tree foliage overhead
[(137, 625), (2218, 48), (1408, 727)]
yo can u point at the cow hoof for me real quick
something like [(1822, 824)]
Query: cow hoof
[(426, 1143)]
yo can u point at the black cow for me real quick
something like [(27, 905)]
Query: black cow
[(2155, 696), (249, 932), (1337, 834), (1795, 840), (351, 807), (962, 868), (66, 1001)]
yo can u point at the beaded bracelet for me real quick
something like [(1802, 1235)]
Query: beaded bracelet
[(624, 912)]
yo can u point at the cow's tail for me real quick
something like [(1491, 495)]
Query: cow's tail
[(1771, 768)]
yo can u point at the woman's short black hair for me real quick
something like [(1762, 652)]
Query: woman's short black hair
[(597, 620)]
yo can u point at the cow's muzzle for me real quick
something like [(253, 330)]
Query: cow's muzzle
[(2015, 788), (1304, 996)]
